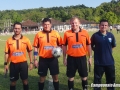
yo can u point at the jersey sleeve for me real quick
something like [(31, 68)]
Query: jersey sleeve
[(7, 47), (93, 42), (29, 45), (35, 42), (65, 42), (113, 41), (59, 40), (88, 41)]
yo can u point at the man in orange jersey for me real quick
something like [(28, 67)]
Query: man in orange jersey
[(15, 52), (44, 42), (76, 43)]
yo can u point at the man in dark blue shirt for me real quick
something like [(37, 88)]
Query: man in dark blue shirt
[(102, 43)]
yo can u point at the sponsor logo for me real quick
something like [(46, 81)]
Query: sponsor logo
[(48, 47), (70, 36), (17, 54), (53, 36), (77, 46), (110, 40), (12, 77)]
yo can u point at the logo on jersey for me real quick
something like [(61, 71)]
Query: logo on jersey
[(77, 46), (17, 54), (48, 47), (110, 40), (12, 78)]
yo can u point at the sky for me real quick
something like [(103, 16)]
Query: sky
[(31, 4)]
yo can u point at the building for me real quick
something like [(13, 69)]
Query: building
[(29, 25)]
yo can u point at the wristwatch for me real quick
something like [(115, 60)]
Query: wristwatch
[(5, 63), (31, 62)]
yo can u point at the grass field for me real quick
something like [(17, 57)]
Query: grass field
[(33, 76)]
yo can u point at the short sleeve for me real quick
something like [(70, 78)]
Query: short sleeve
[(7, 47), (92, 41), (29, 45), (65, 42), (35, 42), (59, 39), (113, 41), (88, 41)]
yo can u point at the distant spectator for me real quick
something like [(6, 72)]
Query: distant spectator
[(111, 28), (118, 29)]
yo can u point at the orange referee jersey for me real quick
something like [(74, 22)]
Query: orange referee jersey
[(17, 49), (77, 42), (45, 41)]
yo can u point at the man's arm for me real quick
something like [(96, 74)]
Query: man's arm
[(30, 56), (6, 58), (35, 52), (113, 42), (6, 61), (31, 61), (93, 42), (90, 54), (89, 51), (64, 54)]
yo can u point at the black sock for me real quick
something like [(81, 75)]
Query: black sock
[(25, 87), (84, 84), (70, 84), (40, 85), (56, 85), (12, 87)]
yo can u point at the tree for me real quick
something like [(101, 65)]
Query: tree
[(111, 17)]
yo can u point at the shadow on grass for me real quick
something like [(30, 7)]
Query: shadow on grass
[(5, 83), (34, 78), (33, 82)]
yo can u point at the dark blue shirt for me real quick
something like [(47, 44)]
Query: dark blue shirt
[(102, 46)]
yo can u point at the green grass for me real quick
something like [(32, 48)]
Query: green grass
[(33, 76)]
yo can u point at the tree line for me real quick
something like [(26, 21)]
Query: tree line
[(109, 10)]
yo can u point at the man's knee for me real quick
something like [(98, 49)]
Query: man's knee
[(42, 79), (25, 82), (84, 78), (13, 83), (55, 78)]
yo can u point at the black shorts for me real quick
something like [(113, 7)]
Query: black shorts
[(76, 63), (48, 63), (18, 68)]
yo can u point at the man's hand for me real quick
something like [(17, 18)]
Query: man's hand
[(65, 61), (36, 63), (31, 66), (5, 71), (90, 63)]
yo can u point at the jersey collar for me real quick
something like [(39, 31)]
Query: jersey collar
[(102, 34), (79, 30), (15, 39), (47, 31)]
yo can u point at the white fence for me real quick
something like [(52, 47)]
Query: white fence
[(34, 32)]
